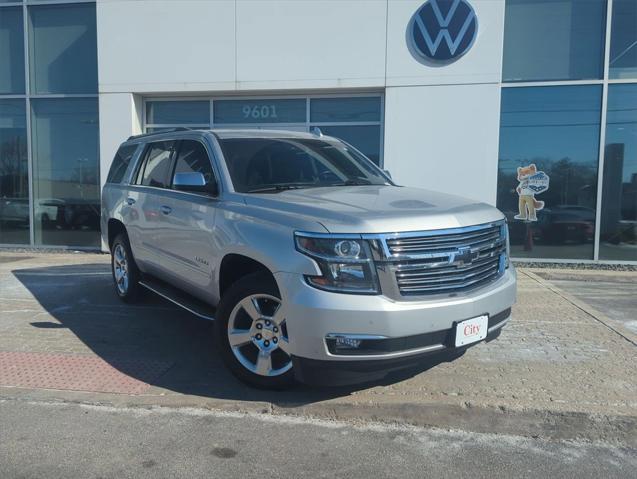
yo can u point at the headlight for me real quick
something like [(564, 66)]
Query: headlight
[(345, 262)]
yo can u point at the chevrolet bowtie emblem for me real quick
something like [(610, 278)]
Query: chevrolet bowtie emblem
[(464, 255)]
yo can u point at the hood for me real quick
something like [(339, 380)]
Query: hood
[(376, 208)]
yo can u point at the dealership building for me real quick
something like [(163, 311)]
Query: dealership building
[(530, 105)]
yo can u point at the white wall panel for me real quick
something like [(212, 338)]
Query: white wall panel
[(444, 138), (310, 43), (166, 46), (120, 117), (481, 64)]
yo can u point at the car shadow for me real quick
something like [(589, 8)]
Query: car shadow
[(82, 299)]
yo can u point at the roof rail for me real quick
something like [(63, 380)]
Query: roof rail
[(168, 130)]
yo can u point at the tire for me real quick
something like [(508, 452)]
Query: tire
[(126, 275), (246, 317)]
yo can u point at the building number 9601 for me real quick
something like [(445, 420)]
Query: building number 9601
[(259, 112)]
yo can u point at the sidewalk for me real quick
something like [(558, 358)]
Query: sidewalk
[(560, 369)]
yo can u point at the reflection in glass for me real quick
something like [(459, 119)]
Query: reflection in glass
[(157, 163), (120, 163), (366, 139), (66, 171), (194, 158), (345, 109), (14, 181), (618, 236), (178, 113), (623, 41), (557, 130), (11, 51), (159, 129), (553, 40), (63, 49)]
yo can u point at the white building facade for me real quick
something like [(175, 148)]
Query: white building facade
[(449, 95)]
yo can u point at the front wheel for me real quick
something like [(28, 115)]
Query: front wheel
[(252, 333)]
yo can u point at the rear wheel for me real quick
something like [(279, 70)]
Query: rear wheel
[(252, 334), (125, 272)]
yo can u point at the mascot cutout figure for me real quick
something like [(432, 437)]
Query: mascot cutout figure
[(532, 182)]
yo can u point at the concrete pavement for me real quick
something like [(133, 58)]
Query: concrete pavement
[(61, 440), (560, 370), (612, 292)]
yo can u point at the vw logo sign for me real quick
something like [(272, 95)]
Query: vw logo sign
[(441, 31)]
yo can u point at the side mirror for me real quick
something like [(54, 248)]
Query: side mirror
[(387, 173), (194, 183)]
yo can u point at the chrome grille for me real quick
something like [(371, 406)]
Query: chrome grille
[(478, 238), (447, 261)]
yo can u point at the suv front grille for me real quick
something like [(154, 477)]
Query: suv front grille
[(436, 242), (447, 261)]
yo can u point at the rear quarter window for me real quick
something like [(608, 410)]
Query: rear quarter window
[(120, 163)]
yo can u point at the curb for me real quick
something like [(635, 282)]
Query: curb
[(536, 424), (553, 425)]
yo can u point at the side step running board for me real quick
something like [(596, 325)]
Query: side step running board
[(178, 297)]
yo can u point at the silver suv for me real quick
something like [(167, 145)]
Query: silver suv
[(313, 264)]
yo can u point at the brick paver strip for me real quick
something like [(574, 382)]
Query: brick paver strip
[(78, 373)]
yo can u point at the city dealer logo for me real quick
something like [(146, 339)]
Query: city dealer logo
[(441, 31)]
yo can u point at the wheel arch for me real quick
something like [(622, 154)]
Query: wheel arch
[(114, 227), (235, 266)]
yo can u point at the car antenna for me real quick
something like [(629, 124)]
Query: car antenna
[(316, 131)]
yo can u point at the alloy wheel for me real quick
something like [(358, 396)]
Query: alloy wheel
[(120, 268), (257, 334)]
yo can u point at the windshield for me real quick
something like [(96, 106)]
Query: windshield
[(274, 164)]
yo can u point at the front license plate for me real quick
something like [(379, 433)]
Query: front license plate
[(471, 330)]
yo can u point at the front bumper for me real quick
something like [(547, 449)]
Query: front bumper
[(340, 373), (314, 315)]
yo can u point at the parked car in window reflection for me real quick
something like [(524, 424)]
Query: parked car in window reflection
[(564, 224), (63, 214), (14, 211)]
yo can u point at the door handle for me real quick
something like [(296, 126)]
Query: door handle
[(130, 201), (166, 209)]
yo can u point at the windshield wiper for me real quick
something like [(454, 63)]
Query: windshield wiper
[(358, 182), (276, 188)]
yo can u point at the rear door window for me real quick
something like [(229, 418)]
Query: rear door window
[(155, 170)]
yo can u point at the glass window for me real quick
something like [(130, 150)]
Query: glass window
[(11, 51), (194, 158), (66, 183), (260, 111), (272, 164), (618, 238), (366, 139), (156, 168), (159, 129), (623, 40), (331, 110), (547, 170), (14, 179), (553, 40), (63, 49), (178, 113), (120, 163), (342, 117)]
